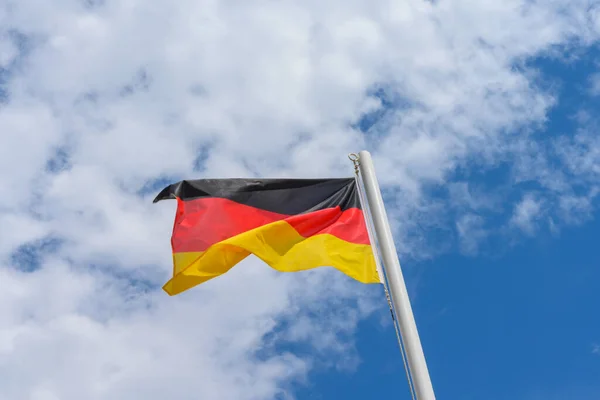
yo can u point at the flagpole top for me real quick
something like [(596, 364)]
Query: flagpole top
[(355, 160)]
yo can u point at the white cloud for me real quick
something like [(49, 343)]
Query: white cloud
[(526, 212), (566, 169), (594, 85), (471, 232), (8, 51), (106, 99)]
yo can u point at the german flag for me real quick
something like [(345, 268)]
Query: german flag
[(291, 224)]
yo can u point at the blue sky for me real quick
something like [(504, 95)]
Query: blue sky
[(519, 326), (515, 321), (481, 119)]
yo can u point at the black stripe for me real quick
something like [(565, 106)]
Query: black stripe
[(283, 196)]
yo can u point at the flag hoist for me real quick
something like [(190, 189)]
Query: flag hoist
[(294, 225)]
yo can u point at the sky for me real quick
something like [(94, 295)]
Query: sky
[(480, 116)]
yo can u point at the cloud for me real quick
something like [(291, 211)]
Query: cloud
[(101, 103), (526, 212), (565, 169), (594, 85), (471, 232)]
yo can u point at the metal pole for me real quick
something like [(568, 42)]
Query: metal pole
[(397, 287)]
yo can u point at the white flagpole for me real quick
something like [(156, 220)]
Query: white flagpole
[(397, 288)]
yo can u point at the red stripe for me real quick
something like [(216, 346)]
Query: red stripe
[(203, 222), (348, 225)]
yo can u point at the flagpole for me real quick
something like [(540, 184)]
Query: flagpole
[(397, 287)]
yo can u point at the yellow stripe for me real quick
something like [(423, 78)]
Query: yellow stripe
[(280, 246)]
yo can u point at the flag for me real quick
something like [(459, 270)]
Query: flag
[(291, 224)]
